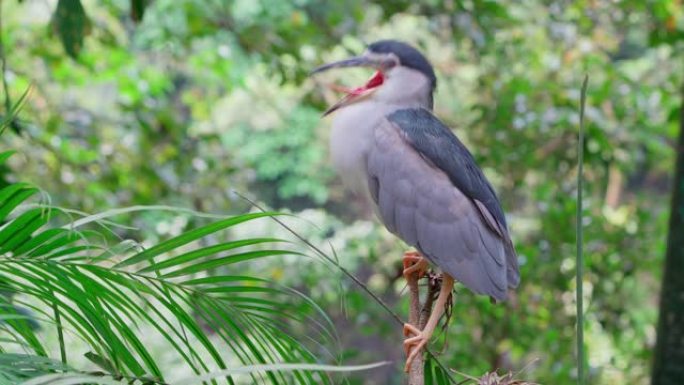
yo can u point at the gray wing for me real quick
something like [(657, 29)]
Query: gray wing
[(419, 202), (437, 144)]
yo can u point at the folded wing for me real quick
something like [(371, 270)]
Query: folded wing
[(429, 191)]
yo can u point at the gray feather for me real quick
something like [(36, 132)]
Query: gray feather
[(419, 202), (435, 141)]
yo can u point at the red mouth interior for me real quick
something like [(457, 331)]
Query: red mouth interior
[(375, 81)]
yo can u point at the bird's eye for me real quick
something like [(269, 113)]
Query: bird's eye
[(391, 62)]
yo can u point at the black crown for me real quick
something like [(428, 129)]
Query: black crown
[(408, 57)]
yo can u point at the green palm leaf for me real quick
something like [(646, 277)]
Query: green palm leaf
[(107, 296)]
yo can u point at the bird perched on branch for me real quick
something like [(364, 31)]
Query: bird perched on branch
[(424, 183)]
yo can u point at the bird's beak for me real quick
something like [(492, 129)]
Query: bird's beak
[(358, 61), (355, 94)]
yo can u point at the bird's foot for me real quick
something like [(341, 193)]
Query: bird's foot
[(414, 344), (414, 263)]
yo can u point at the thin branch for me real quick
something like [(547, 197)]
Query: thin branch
[(426, 311), (580, 256), (416, 375), (3, 68)]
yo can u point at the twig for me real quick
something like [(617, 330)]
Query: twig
[(426, 311), (3, 68), (580, 256), (416, 374), (418, 316)]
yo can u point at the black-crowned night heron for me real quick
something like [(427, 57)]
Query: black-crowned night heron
[(426, 187)]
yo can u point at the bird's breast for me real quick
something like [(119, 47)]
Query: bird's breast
[(350, 142)]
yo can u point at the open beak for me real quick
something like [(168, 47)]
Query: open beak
[(355, 94)]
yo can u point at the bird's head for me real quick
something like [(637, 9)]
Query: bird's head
[(403, 76)]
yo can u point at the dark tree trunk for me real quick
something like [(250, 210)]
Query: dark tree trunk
[(668, 365)]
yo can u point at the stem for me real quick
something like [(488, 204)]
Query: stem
[(60, 332), (580, 256), (433, 289), (3, 68), (416, 374), (419, 317)]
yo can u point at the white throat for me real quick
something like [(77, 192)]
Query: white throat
[(353, 126), (406, 88)]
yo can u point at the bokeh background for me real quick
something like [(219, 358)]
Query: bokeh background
[(194, 100)]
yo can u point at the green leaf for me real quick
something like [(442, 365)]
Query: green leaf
[(102, 362), (72, 379), (207, 251), (6, 155), (12, 196), (427, 371), (138, 9), (47, 241), (191, 236), (214, 263), (71, 24), (20, 229), (12, 113), (281, 367)]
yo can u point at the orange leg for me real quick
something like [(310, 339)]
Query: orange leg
[(417, 339)]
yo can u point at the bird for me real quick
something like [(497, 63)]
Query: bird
[(423, 183)]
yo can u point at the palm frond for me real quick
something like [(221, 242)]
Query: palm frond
[(108, 295), (40, 371)]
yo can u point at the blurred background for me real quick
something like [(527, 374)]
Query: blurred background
[(186, 102)]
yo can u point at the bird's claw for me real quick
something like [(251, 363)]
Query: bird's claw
[(414, 263), (413, 345)]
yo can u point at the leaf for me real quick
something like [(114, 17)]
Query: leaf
[(138, 9), (191, 236), (280, 367), (207, 251), (214, 263), (21, 228), (5, 155), (25, 366), (71, 24), (12, 196), (72, 379), (102, 362), (9, 119)]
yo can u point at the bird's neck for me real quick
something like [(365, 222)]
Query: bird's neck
[(405, 88), (391, 103)]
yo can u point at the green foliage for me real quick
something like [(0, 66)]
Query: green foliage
[(19, 368), (95, 298), (71, 24), (434, 374), (104, 295), (138, 9), (284, 157), (200, 98)]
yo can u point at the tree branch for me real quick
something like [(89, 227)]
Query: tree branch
[(416, 375)]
